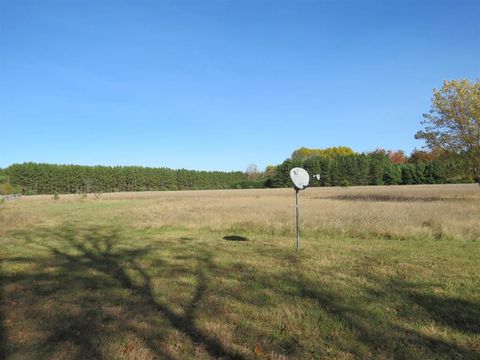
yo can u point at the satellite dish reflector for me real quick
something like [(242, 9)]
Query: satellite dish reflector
[(300, 178)]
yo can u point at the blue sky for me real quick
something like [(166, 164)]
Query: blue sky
[(218, 85)]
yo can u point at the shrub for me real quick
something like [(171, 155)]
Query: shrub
[(7, 189)]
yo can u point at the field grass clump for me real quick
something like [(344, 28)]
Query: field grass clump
[(186, 275)]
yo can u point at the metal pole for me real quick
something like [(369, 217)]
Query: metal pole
[(297, 208)]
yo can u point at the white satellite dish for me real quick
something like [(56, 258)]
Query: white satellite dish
[(300, 178)]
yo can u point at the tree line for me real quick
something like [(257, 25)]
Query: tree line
[(376, 168), (451, 133), (35, 178)]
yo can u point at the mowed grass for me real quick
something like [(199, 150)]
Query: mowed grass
[(384, 272)]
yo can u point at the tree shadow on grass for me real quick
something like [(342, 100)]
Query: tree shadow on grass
[(3, 335), (85, 289), (392, 198), (458, 314), (91, 288), (382, 335)]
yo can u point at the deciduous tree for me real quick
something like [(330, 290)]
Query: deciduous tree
[(453, 122)]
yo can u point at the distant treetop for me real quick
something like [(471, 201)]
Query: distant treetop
[(330, 153)]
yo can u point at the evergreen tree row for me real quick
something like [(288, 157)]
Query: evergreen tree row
[(34, 178), (371, 169), (375, 168)]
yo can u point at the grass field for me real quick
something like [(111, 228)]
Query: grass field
[(384, 272)]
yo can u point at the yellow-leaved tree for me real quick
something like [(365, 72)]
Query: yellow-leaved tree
[(331, 153), (453, 123)]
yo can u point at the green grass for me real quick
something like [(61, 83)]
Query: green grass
[(92, 286)]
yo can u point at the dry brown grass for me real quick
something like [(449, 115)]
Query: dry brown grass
[(440, 211)]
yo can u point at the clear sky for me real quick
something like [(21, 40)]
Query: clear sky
[(221, 84)]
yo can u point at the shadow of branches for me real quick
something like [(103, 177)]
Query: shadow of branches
[(3, 335), (83, 289), (386, 334), (93, 286)]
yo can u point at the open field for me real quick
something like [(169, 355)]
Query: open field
[(384, 272)]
